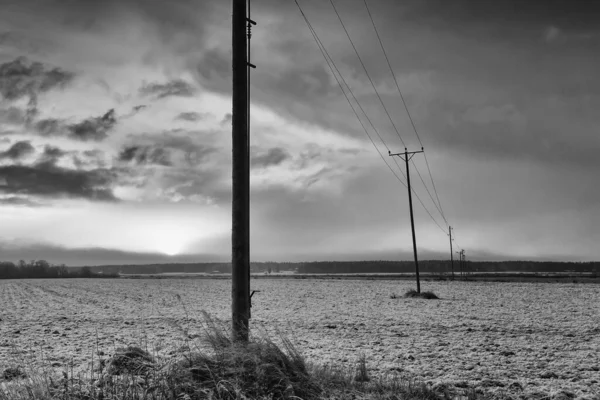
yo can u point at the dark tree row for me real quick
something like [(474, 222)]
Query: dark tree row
[(37, 269), (190, 268), (444, 266)]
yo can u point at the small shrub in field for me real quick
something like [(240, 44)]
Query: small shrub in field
[(423, 295)]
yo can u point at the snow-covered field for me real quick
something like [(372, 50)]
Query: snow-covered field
[(520, 338)]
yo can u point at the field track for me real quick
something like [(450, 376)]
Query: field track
[(520, 338)]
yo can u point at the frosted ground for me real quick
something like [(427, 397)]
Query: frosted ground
[(533, 339)]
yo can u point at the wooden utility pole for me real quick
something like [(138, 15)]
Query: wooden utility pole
[(451, 254), (240, 229), (459, 262), (461, 255), (406, 156)]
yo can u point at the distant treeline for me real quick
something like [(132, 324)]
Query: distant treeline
[(37, 269), (358, 267), (42, 269), (190, 268), (444, 266)]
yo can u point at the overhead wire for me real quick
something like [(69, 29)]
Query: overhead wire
[(439, 204), (390, 118), (333, 68), (367, 72)]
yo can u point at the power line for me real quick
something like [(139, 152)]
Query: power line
[(328, 58), (367, 72), (408, 113), (330, 62), (333, 67), (389, 116), (428, 192)]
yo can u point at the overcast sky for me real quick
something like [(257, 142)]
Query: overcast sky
[(115, 130)]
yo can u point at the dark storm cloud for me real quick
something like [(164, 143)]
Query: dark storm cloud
[(190, 182), (20, 78), (169, 18), (12, 116), (50, 156), (18, 150), (51, 181), (145, 155), (194, 153), (134, 111), (90, 129), (96, 128), (307, 83), (214, 68), (89, 159), (49, 126), (557, 137), (192, 174), (273, 156), (178, 88), (313, 153), (192, 116), (568, 13), (293, 90), (227, 119), (18, 201)]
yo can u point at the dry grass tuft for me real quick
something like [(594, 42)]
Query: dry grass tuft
[(130, 360), (362, 374), (10, 374), (258, 369), (422, 295)]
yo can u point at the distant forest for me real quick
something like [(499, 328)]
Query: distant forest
[(356, 267), (43, 269), (38, 269)]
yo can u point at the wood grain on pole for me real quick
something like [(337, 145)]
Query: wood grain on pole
[(240, 296)]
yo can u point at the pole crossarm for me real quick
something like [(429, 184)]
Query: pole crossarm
[(406, 154)]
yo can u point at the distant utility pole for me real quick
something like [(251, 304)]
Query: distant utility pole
[(451, 255), (406, 156), (240, 229), (459, 262), (464, 261), (461, 255)]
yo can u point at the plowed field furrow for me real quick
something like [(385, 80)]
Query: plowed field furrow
[(49, 298), (57, 303), (24, 298), (8, 298)]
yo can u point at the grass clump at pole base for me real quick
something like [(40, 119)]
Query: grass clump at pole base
[(423, 295)]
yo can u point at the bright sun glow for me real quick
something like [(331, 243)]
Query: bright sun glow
[(170, 246)]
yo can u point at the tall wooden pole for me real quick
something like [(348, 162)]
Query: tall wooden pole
[(240, 223), (412, 222), (407, 156)]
